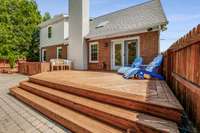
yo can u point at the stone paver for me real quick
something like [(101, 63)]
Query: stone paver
[(16, 117)]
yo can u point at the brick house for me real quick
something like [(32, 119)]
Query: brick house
[(106, 42)]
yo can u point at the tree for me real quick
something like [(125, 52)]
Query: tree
[(33, 51), (46, 16), (19, 20)]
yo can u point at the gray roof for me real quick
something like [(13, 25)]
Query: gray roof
[(134, 19)]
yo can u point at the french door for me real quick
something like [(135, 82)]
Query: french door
[(123, 53), (117, 55)]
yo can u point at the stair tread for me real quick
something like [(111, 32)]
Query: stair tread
[(129, 115), (74, 117)]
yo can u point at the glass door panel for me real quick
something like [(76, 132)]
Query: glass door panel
[(130, 51), (117, 55)]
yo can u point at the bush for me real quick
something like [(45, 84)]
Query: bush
[(12, 58)]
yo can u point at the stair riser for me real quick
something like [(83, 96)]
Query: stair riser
[(67, 124), (108, 118), (164, 112)]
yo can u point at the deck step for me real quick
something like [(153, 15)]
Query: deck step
[(124, 100), (116, 116), (70, 119)]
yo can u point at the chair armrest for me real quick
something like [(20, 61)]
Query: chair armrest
[(143, 66), (67, 62), (127, 65)]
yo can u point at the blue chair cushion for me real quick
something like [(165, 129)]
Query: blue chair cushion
[(122, 70), (136, 64), (131, 73)]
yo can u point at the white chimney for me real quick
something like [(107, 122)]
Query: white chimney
[(78, 29)]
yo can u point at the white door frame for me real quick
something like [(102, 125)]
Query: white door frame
[(114, 67), (122, 41)]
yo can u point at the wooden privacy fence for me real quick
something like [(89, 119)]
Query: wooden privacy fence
[(182, 72), (31, 68)]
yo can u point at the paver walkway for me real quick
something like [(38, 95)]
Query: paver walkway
[(16, 117)]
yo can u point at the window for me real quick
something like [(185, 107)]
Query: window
[(59, 52), (44, 55), (93, 52), (49, 31), (102, 24)]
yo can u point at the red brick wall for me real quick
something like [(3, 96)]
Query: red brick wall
[(149, 48), (104, 56), (51, 51)]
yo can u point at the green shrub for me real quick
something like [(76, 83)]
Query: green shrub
[(12, 58)]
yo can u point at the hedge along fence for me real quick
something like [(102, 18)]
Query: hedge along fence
[(182, 72)]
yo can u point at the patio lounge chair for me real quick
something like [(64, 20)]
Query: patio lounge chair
[(136, 64), (150, 69)]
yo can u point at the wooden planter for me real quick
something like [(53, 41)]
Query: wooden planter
[(31, 68)]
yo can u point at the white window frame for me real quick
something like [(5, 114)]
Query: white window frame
[(90, 51), (57, 49), (43, 50)]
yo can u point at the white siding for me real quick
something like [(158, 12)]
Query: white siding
[(59, 33), (66, 29)]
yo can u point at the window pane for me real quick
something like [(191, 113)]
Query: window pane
[(130, 51), (118, 57), (44, 56), (59, 50), (49, 32), (94, 52), (60, 53)]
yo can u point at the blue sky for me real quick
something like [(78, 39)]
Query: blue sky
[(182, 15)]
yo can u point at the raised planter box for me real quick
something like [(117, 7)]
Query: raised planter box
[(5, 67), (31, 68)]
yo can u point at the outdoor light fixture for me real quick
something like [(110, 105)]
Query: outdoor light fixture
[(106, 44)]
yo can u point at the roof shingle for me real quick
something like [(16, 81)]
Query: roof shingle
[(135, 18)]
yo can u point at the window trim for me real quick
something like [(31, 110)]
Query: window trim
[(50, 26), (57, 49), (90, 51), (44, 50)]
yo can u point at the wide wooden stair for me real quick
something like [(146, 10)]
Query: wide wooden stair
[(81, 114)]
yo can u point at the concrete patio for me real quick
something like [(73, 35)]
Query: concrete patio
[(16, 117)]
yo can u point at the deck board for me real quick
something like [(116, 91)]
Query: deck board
[(151, 92)]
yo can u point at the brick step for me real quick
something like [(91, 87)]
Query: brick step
[(125, 100), (119, 117), (74, 121)]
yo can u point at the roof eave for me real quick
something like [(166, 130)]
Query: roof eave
[(91, 38)]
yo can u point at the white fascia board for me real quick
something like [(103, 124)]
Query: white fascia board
[(118, 34)]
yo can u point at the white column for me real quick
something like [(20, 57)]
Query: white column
[(78, 29)]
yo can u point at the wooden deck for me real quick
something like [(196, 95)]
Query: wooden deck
[(148, 96), (105, 100)]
